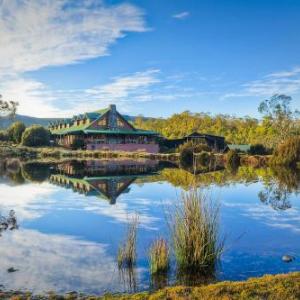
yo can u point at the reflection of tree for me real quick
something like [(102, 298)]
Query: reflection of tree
[(206, 276), (36, 172), (279, 188), (129, 279), (158, 281), (8, 223)]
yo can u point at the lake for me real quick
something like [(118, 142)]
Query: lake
[(73, 215)]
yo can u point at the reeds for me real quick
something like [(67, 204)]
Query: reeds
[(159, 257), (195, 234), (127, 251)]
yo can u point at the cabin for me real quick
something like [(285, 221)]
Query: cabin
[(105, 130), (216, 143)]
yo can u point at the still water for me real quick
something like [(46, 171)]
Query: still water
[(72, 216)]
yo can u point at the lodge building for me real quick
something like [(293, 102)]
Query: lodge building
[(104, 129)]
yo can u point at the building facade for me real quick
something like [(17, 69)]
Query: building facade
[(105, 130), (216, 143)]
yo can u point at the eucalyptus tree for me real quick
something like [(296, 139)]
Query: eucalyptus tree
[(281, 119), (8, 109)]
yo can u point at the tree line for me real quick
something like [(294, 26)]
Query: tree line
[(278, 122)]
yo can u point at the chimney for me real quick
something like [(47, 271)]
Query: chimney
[(113, 107), (112, 121)]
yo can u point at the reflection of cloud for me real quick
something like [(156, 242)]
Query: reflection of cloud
[(23, 199), (288, 219), (31, 201), (55, 262)]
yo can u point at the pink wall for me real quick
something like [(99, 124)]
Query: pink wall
[(150, 148)]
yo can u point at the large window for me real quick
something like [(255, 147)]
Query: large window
[(102, 122)]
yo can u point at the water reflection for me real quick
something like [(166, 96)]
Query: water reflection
[(70, 238), (104, 179), (279, 187), (109, 179)]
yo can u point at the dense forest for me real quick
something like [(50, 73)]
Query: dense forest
[(278, 122)]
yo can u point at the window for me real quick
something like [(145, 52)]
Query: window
[(120, 123), (102, 122)]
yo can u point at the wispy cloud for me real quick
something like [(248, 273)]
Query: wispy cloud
[(284, 82), (182, 15), (37, 99), (41, 33)]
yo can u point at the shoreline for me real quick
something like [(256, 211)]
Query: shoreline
[(22, 152), (280, 286)]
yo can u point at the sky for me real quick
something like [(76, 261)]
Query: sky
[(149, 57)]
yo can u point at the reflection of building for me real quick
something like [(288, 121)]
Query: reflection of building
[(108, 167), (104, 129), (102, 178), (108, 188)]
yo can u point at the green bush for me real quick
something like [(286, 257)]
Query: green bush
[(187, 150), (258, 149), (15, 132), (196, 147), (36, 136), (287, 153), (4, 136), (232, 159), (186, 157), (204, 158)]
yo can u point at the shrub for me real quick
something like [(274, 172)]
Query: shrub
[(4, 136), (232, 159), (15, 132), (186, 157), (159, 257), (204, 158), (127, 251), (258, 149), (36, 136), (196, 147), (287, 153), (195, 234)]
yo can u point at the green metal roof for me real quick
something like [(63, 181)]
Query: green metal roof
[(237, 147), (84, 128), (120, 131)]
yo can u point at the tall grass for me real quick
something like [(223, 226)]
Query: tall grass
[(159, 257), (195, 234), (127, 251)]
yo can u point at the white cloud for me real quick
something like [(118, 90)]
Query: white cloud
[(41, 33), (36, 99), (284, 82), (182, 15)]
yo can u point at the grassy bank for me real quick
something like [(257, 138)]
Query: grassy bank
[(275, 287), (15, 151)]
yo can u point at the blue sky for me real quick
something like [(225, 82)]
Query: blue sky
[(149, 57)]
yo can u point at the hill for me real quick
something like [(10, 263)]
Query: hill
[(27, 120)]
